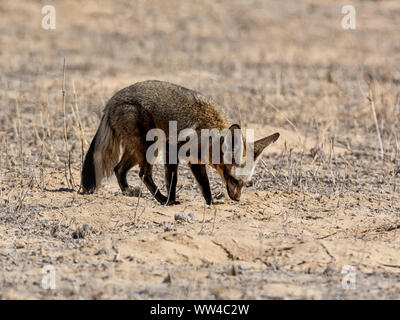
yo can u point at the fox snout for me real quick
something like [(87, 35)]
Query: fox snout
[(234, 188)]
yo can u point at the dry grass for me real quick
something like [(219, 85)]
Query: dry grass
[(326, 195)]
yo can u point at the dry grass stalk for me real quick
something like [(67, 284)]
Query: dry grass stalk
[(378, 132), (67, 162)]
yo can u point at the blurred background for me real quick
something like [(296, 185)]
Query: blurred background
[(295, 54)]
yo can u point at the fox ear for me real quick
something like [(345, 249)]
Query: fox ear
[(261, 144), (237, 142), (234, 126), (231, 129), (232, 142)]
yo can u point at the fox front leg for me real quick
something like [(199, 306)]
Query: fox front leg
[(171, 178), (200, 173), (145, 174)]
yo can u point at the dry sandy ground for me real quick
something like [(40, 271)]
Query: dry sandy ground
[(323, 200)]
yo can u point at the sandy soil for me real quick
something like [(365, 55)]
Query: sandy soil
[(322, 200)]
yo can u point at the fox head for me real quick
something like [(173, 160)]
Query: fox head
[(242, 159)]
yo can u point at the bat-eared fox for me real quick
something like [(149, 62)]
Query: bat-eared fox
[(121, 141)]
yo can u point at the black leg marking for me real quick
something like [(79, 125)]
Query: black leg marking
[(171, 179)]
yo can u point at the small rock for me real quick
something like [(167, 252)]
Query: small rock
[(184, 217)]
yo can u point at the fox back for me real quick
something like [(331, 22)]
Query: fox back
[(163, 102)]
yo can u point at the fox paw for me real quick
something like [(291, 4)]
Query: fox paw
[(172, 202)]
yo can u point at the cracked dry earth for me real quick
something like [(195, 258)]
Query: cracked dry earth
[(280, 241)]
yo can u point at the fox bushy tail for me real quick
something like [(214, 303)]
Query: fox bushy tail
[(102, 156)]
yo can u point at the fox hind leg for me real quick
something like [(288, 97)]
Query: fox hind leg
[(121, 169), (146, 175)]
